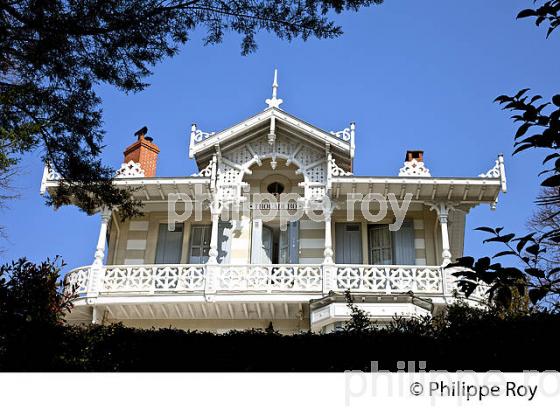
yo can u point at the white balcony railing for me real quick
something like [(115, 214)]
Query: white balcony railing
[(390, 278), (270, 278), (308, 279), (153, 278)]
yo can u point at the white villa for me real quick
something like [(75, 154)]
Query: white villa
[(222, 270)]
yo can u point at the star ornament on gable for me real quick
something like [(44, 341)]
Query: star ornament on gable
[(274, 102)]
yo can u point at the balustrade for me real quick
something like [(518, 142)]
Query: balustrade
[(248, 278)]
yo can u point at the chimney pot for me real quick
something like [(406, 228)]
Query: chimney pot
[(418, 155)]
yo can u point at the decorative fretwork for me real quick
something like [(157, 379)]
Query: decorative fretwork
[(130, 170), (390, 279), (234, 164), (414, 168), (172, 279), (153, 278), (206, 171), (336, 171), (494, 172), (344, 135), (199, 135), (76, 282), (52, 175), (270, 278)]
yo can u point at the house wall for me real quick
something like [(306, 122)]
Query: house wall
[(423, 233), (311, 241), (135, 241)]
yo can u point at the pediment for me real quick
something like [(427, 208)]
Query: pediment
[(204, 145)]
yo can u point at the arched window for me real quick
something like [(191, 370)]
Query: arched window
[(275, 188)]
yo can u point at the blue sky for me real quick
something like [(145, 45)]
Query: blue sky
[(411, 74)]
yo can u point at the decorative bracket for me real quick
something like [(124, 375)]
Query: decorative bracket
[(48, 175), (336, 171), (197, 136), (347, 135), (497, 171)]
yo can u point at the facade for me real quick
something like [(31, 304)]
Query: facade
[(275, 227)]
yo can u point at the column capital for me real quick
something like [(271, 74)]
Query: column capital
[(442, 209), (106, 214)]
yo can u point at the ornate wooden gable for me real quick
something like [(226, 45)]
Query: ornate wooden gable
[(279, 137)]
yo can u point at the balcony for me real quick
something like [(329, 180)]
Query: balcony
[(313, 280), (300, 296)]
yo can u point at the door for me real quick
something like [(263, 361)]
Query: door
[(200, 244), (262, 240), (169, 244), (348, 243)]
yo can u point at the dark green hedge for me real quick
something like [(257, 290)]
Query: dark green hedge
[(466, 341)]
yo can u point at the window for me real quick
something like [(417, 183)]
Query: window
[(348, 243), (388, 248), (200, 243), (169, 244), (380, 245)]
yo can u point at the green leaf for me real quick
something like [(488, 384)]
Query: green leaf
[(523, 241), (503, 239), (522, 148), (536, 294), (523, 129), (526, 13), (551, 156), (533, 249), (552, 181), (537, 273), (485, 229), (504, 253), (521, 92)]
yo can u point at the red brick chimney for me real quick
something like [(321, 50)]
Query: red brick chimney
[(144, 152), (417, 155)]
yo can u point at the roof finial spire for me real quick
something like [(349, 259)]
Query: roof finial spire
[(274, 102)]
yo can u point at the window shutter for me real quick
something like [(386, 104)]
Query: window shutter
[(169, 244), (348, 243), (293, 240), (225, 232), (404, 252)]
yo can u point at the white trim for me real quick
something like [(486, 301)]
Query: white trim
[(263, 117), (417, 181)]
